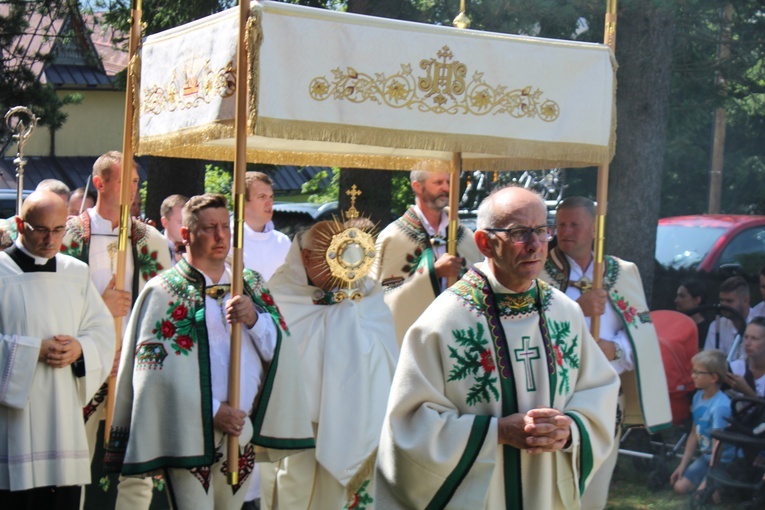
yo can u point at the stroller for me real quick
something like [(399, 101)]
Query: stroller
[(744, 475), (678, 341)]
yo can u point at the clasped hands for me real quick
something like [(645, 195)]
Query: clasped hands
[(59, 351), (537, 431)]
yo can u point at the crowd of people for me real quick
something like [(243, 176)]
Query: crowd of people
[(467, 380)]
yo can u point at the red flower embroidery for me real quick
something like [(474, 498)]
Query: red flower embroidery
[(633, 311), (628, 317), (144, 250), (168, 329), (180, 313), (75, 244), (282, 324), (154, 255), (487, 361), (152, 274), (184, 342), (267, 299), (622, 304), (558, 355)]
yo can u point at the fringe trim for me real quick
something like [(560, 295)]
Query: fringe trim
[(364, 473), (254, 39), (133, 86)]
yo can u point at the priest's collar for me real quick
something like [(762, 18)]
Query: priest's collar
[(39, 261)]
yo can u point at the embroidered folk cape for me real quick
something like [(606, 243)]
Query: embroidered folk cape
[(405, 267), (42, 438), (348, 354), (149, 248), (163, 405), (460, 369), (646, 397)]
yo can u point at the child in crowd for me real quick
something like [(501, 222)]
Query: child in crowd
[(711, 407)]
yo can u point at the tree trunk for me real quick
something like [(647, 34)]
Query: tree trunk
[(168, 176), (644, 41)]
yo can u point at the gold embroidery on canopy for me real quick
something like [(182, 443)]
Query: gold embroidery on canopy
[(192, 84), (443, 88)]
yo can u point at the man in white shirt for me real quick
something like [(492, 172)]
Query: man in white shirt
[(171, 212), (264, 248), (734, 293), (412, 263), (627, 336), (172, 409)]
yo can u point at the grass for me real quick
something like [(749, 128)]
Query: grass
[(629, 490)]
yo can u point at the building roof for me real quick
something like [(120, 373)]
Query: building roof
[(67, 49)]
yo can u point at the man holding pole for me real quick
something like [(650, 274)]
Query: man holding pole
[(92, 237), (412, 261), (56, 349), (626, 335), (174, 373)]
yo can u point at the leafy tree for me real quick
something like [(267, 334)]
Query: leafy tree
[(19, 83)]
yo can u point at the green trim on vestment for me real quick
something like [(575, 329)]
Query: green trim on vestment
[(475, 441), (585, 452), (258, 416), (429, 259)]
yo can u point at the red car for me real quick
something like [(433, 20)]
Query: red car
[(707, 242)]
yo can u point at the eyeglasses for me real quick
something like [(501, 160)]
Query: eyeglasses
[(42, 231), (700, 372), (521, 235)]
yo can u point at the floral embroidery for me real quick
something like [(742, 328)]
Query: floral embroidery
[(412, 261), (564, 351), (474, 358), (629, 313), (96, 401), (147, 261), (178, 327), (202, 473), (246, 465), (267, 302), (360, 498), (74, 249)]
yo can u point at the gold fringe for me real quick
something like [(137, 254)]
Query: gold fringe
[(254, 38), (133, 86), (364, 473)]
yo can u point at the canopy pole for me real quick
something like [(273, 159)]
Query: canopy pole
[(127, 178), (454, 205), (237, 266), (609, 38)]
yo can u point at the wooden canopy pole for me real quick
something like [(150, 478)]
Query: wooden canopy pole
[(454, 204), (237, 283), (127, 178), (609, 38)]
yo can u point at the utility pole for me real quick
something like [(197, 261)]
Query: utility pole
[(721, 116)]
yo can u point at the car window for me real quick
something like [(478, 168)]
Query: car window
[(746, 249), (683, 246)]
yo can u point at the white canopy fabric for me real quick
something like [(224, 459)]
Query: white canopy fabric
[(338, 89)]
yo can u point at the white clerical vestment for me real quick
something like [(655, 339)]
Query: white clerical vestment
[(478, 353), (42, 433), (348, 352)]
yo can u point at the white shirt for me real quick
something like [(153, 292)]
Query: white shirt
[(439, 249), (611, 328), (738, 367), (261, 338), (727, 335), (264, 251), (103, 260)]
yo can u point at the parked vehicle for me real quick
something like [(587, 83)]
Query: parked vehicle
[(291, 217), (710, 247), (8, 202)]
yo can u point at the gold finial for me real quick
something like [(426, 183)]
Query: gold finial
[(461, 21), (353, 213)]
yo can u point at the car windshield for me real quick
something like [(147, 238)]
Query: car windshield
[(684, 247)]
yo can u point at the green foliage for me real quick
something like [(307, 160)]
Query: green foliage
[(319, 193), (402, 194), (19, 84), (219, 180)]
